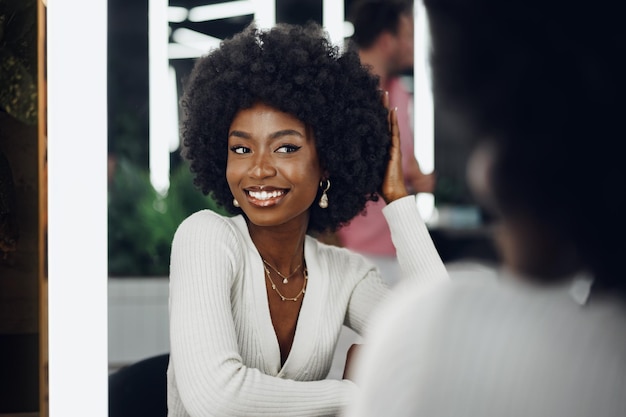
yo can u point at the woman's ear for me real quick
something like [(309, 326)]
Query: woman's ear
[(479, 169)]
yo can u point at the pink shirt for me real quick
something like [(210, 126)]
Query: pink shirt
[(369, 233)]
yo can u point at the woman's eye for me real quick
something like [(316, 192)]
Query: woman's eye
[(288, 149), (239, 149)]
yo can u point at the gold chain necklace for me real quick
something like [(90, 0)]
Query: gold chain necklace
[(285, 278), (282, 297)]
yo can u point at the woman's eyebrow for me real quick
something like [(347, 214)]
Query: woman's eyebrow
[(286, 132), (274, 135), (239, 134)]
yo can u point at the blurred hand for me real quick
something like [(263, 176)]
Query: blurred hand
[(348, 372)]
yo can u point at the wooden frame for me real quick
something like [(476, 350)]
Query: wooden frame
[(43, 209)]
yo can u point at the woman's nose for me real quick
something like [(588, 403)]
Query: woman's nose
[(262, 166)]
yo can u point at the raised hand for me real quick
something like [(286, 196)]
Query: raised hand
[(393, 186)]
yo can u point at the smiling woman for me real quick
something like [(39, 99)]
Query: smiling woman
[(272, 163), (307, 78), (257, 304)]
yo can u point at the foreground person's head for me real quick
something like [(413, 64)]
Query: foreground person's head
[(539, 86)]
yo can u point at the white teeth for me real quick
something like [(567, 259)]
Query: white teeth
[(264, 195)]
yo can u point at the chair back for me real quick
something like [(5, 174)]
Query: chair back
[(140, 389)]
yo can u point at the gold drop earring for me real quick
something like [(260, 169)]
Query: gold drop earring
[(323, 203)]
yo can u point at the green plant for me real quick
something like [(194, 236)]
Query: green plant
[(18, 59), (142, 222)]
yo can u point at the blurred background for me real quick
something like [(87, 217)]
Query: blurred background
[(152, 45)]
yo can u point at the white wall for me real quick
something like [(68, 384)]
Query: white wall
[(137, 319)]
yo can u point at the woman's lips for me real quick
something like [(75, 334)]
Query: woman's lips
[(265, 198)]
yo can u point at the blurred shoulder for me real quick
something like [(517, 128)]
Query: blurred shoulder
[(495, 303)]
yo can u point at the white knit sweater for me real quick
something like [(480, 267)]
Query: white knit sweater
[(225, 359), (494, 348)]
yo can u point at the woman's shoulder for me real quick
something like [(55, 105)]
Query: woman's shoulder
[(205, 218), (209, 225), (498, 302), (340, 258)]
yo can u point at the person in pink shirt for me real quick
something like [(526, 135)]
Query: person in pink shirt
[(383, 36)]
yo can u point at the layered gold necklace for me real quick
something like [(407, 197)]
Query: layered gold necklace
[(286, 280)]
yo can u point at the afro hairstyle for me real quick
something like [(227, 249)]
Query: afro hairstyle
[(297, 70)]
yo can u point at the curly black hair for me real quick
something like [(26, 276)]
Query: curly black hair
[(297, 70)]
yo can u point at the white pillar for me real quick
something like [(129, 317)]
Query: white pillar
[(77, 208)]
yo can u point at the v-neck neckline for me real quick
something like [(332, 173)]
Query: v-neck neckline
[(306, 326)]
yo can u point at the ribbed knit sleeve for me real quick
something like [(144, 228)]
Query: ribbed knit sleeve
[(207, 376), (420, 262), (417, 255)]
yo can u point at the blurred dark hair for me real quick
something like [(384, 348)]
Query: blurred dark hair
[(370, 18), (297, 70), (543, 80)]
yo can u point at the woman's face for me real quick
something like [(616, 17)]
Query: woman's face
[(273, 170)]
